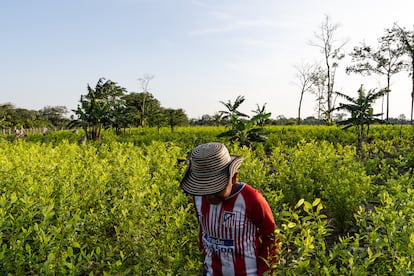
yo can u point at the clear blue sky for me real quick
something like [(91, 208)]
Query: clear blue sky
[(200, 52)]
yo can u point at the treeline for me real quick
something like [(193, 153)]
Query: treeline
[(107, 105), (52, 117), (56, 117)]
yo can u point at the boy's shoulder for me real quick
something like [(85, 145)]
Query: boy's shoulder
[(251, 191)]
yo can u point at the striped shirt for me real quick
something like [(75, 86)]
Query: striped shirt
[(230, 232)]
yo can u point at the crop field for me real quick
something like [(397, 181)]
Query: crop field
[(115, 207)]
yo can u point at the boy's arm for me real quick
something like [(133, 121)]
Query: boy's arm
[(268, 245)]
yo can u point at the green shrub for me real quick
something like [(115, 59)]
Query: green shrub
[(321, 170)]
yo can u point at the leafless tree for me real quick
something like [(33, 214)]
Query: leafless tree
[(331, 50), (144, 82), (305, 80)]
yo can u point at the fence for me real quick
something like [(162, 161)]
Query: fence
[(14, 131)]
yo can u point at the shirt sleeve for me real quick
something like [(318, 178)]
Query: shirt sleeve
[(266, 226)]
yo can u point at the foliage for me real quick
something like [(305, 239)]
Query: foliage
[(50, 116), (320, 170), (55, 116), (262, 116), (101, 210), (232, 115), (303, 231), (243, 131), (175, 117), (141, 107), (362, 112), (114, 206), (98, 108), (385, 60), (406, 40)]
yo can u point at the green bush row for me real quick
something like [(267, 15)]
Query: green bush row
[(115, 207)]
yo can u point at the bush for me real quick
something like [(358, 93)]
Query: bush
[(320, 170)]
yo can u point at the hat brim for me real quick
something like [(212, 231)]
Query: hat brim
[(199, 186)]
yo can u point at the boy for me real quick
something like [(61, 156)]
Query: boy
[(236, 222)]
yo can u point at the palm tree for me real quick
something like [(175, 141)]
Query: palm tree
[(232, 115), (261, 115), (362, 113), (96, 109), (242, 130)]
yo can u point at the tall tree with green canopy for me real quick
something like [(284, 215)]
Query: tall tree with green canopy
[(407, 41), (135, 103), (6, 111), (386, 60), (175, 117), (55, 115), (97, 107)]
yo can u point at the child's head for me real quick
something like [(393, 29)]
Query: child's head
[(210, 169)]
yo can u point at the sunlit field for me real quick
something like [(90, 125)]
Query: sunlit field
[(114, 206)]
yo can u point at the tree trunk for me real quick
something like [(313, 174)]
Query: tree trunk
[(388, 97), (300, 106), (412, 92)]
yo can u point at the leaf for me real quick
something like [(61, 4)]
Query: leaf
[(291, 224), (320, 207), (300, 202), (307, 206), (316, 202), (70, 252)]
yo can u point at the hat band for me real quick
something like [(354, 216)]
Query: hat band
[(208, 174)]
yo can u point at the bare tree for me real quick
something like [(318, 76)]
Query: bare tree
[(331, 50), (144, 86), (305, 75)]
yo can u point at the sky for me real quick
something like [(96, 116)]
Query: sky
[(199, 53)]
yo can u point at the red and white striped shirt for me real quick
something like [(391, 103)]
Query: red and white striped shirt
[(237, 233)]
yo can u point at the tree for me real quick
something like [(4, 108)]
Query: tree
[(332, 55), (232, 115), (158, 119), (362, 113), (407, 42), (385, 60), (319, 79), (144, 85), (97, 108), (306, 76), (175, 117), (135, 103), (242, 130), (261, 116), (6, 115), (55, 115), (119, 117)]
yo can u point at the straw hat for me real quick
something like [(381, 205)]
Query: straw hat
[(209, 170)]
